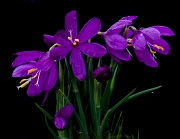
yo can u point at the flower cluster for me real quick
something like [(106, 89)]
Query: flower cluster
[(41, 70)]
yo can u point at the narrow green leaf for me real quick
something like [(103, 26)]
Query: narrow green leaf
[(90, 81), (112, 125), (142, 92), (76, 91), (110, 111), (117, 123), (45, 112), (60, 73), (138, 134), (85, 132), (50, 129), (81, 112), (109, 88), (120, 129)]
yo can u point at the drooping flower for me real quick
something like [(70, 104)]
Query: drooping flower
[(150, 37), (43, 73), (62, 116), (102, 73), (76, 43), (115, 43)]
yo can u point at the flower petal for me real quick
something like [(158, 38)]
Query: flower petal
[(115, 41), (115, 58), (129, 18), (66, 111), (60, 52), (93, 50), (45, 97), (117, 27), (151, 33), (48, 39), (165, 31), (138, 41), (146, 57), (26, 56), (61, 38), (52, 77), (71, 23), (22, 70), (60, 122), (37, 85), (44, 62), (119, 54), (89, 30), (129, 34), (78, 65), (164, 46)]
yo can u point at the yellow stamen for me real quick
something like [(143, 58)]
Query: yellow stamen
[(129, 44), (74, 43), (76, 40), (34, 76), (152, 52), (159, 47), (69, 38), (23, 80), (24, 84), (31, 70), (54, 45), (129, 39), (27, 81)]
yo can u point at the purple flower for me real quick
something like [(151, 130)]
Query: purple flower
[(43, 73), (71, 41), (26, 56), (115, 43), (102, 73), (61, 117), (152, 38)]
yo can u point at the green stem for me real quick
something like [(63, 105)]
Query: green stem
[(109, 88), (77, 96), (85, 133), (59, 97), (92, 98)]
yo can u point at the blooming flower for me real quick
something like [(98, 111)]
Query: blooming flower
[(102, 73), (71, 41), (115, 43), (43, 72), (152, 38), (61, 117)]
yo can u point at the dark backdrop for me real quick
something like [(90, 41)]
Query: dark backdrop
[(22, 25)]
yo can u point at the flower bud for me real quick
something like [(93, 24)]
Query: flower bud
[(102, 73)]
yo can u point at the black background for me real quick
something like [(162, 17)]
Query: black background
[(22, 25)]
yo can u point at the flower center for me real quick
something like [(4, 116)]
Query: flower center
[(129, 40), (27, 81), (75, 41)]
